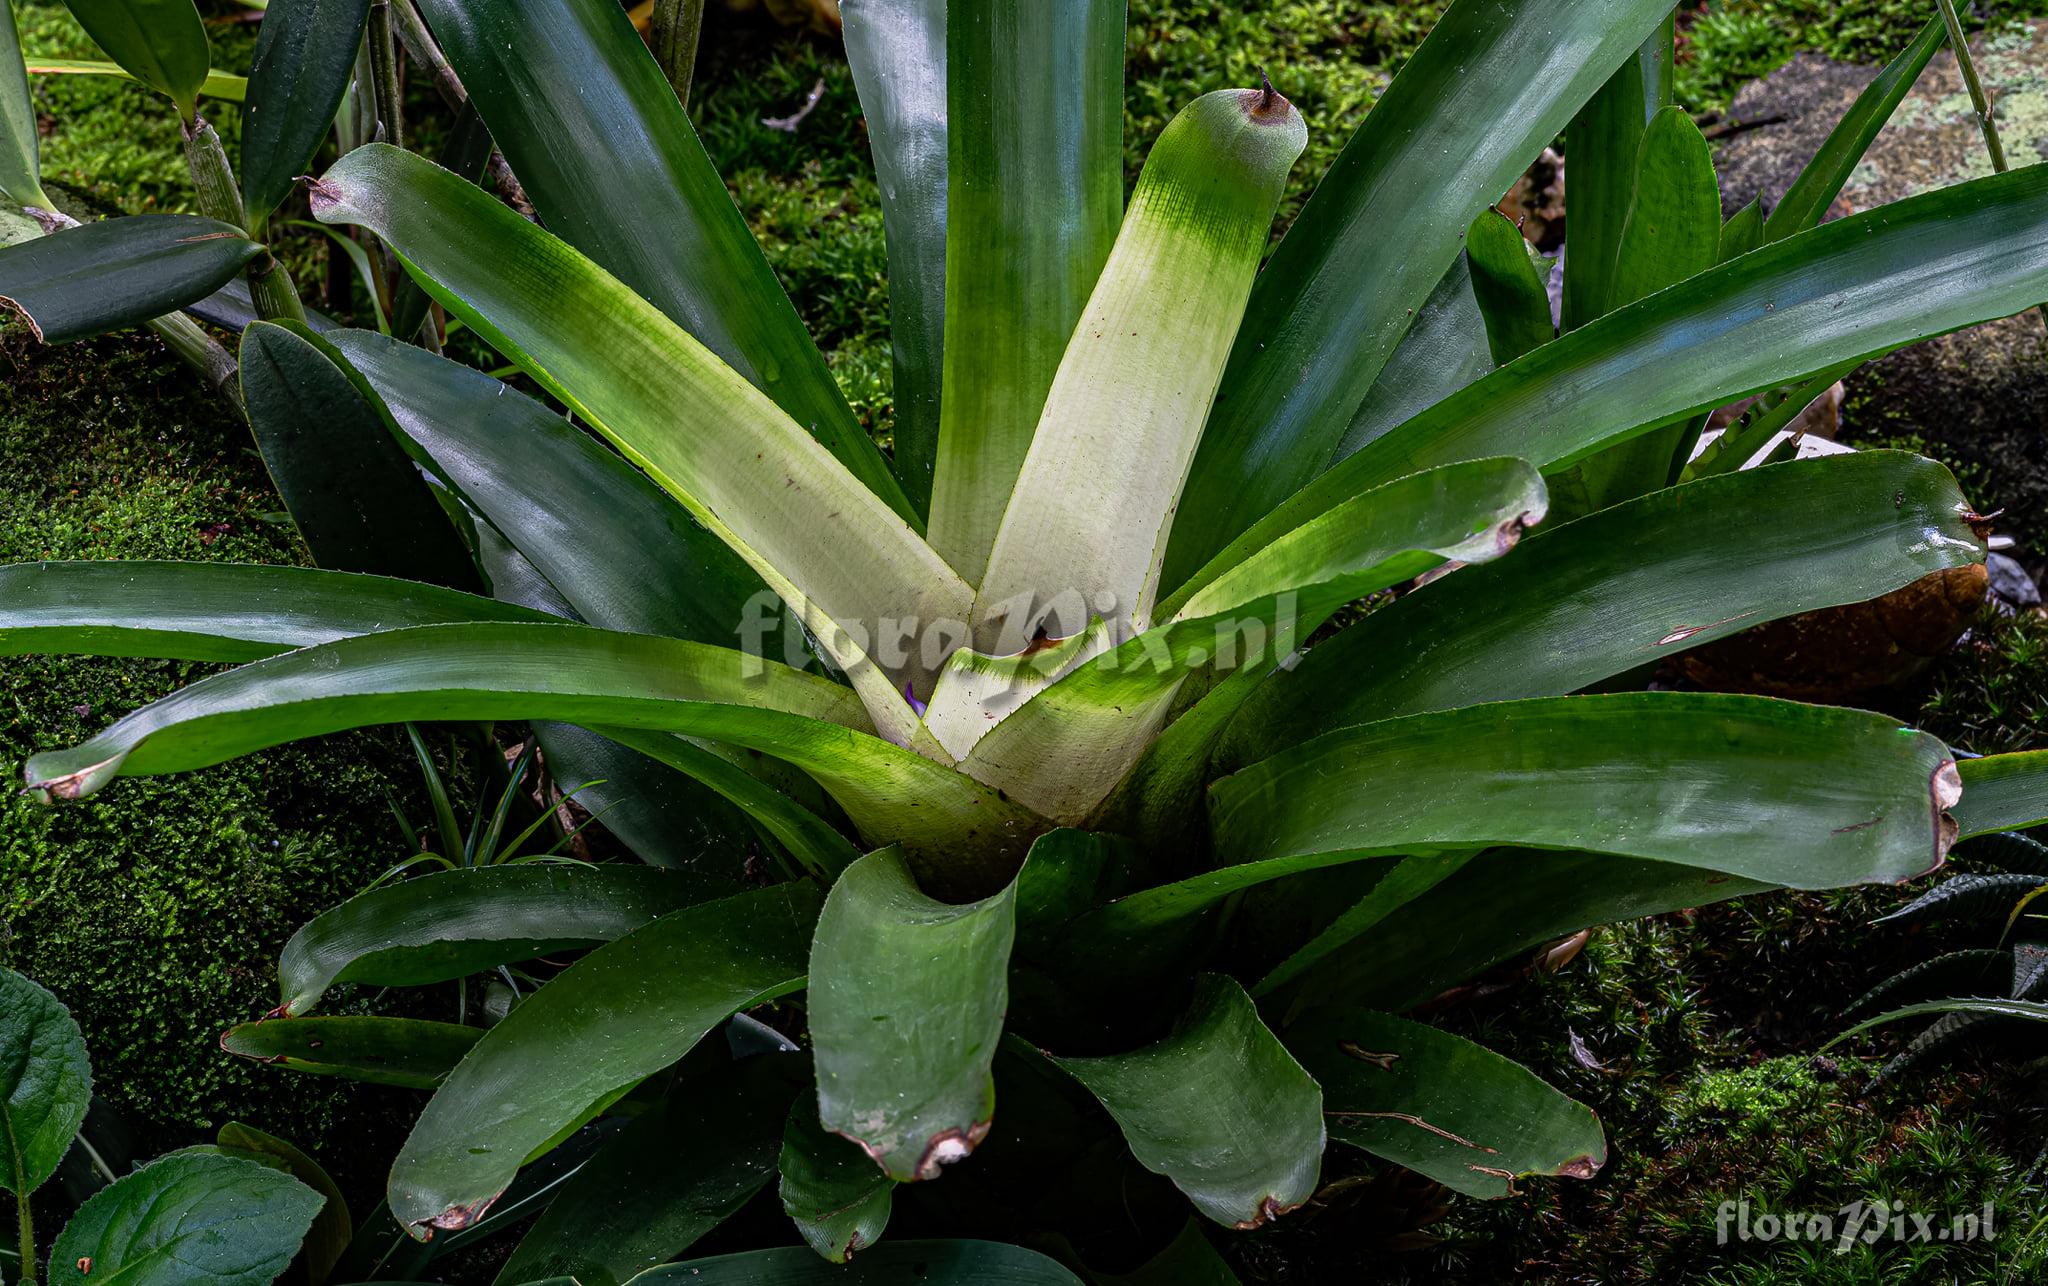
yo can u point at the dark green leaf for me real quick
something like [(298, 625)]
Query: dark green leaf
[(189, 1217), (1441, 1105), (332, 1228), (1512, 297), (836, 1195), (20, 142), (1743, 232), (1604, 142), (45, 1083), (1190, 1261), (1444, 350), (1979, 896), (159, 42), (305, 58), (1674, 223), (117, 272), (455, 923), (1219, 1107), (383, 1051), (2003, 792), (907, 997), (1989, 1006), (927, 1263), (615, 1017)]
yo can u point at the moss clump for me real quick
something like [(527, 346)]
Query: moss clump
[(1990, 694)]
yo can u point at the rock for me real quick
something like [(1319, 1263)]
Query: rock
[(2012, 590), (1976, 399)]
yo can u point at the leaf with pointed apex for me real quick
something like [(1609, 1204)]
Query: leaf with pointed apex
[(1806, 202), (1583, 602), (1743, 232), (455, 923), (615, 1017), (305, 58), (406, 1052), (1442, 1106), (161, 43), (1987, 1006), (332, 1228), (117, 273), (896, 50), (1604, 141), (671, 1176), (821, 539), (1445, 349), (928, 1263), (45, 1083), (1339, 293), (214, 611), (1219, 1107), (667, 227), (190, 1216), (1979, 896), (1674, 222), (1957, 972), (907, 997), (1848, 289), (331, 448), (1513, 299), (1034, 193), (836, 1195), (2003, 792), (20, 142)]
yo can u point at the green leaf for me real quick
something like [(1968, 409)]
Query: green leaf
[(1743, 232), (117, 273), (383, 1051), (615, 1017), (1445, 349), (455, 923), (1806, 202), (161, 43), (2003, 792), (1373, 242), (20, 141), (1674, 222), (1441, 1105), (836, 1195), (929, 1263), (334, 454), (1085, 528), (222, 85), (907, 997), (824, 542), (1992, 1006), (1605, 142), (1189, 1261), (1804, 796), (1407, 880), (214, 611), (667, 1179), (1034, 172), (1219, 1107), (1847, 289), (305, 58), (1512, 298), (45, 1082), (332, 1229), (1611, 592), (896, 50), (188, 1217), (666, 226)]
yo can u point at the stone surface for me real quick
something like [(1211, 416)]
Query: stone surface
[(1977, 399), (2012, 589)]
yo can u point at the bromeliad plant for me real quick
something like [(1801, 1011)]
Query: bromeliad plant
[(1055, 811)]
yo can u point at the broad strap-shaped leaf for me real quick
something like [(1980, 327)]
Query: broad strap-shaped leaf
[(1442, 1106), (1445, 349), (2003, 792), (615, 1017), (1604, 142), (305, 58), (668, 1178), (938, 1263), (896, 50), (1806, 796), (334, 454), (116, 273), (1104, 713), (821, 539), (45, 1083), (1341, 290), (833, 1192), (1674, 222), (159, 42), (455, 923), (190, 1216), (667, 227), (1806, 202), (1085, 530), (1219, 1107), (1847, 289), (1512, 297), (225, 86), (406, 1052), (327, 1240), (1408, 879), (214, 611), (1034, 192), (20, 142), (907, 996), (1608, 593)]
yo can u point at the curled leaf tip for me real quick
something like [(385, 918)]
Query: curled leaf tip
[(1946, 789)]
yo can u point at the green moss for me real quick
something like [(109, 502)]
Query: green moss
[(1990, 694)]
